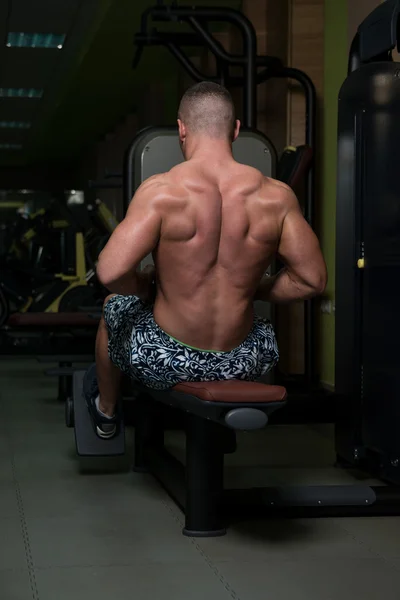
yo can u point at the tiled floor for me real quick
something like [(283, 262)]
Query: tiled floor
[(93, 529)]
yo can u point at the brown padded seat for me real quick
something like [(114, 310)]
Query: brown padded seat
[(73, 319), (233, 391)]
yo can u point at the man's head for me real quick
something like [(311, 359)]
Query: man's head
[(207, 110)]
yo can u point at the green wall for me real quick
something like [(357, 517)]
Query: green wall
[(335, 66)]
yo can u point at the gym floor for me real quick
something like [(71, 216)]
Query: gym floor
[(93, 529)]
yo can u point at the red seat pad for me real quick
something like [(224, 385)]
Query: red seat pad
[(73, 319), (237, 391)]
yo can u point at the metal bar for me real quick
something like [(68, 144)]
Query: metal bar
[(270, 62), (187, 64), (248, 60), (204, 477), (258, 502), (309, 213), (64, 383), (149, 431), (214, 45), (309, 208), (159, 38)]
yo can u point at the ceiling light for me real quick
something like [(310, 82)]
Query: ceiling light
[(20, 93), (35, 40), (10, 146), (14, 125)]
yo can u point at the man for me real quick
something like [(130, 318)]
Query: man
[(213, 226)]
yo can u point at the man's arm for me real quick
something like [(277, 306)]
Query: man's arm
[(134, 238), (304, 274)]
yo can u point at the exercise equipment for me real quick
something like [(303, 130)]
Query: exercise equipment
[(49, 334), (70, 232), (65, 371), (33, 290), (368, 250), (214, 411)]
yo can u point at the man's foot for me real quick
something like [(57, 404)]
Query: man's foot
[(105, 427)]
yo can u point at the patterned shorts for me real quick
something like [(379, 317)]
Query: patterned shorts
[(144, 352)]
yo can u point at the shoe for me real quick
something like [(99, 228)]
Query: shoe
[(105, 427)]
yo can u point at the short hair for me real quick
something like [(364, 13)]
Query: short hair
[(208, 108)]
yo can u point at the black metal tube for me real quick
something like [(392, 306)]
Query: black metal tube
[(248, 60), (187, 64), (157, 38), (204, 477), (64, 383), (309, 208), (270, 62), (261, 77), (310, 370), (148, 430), (222, 73), (311, 117), (63, 252), (214, 45)]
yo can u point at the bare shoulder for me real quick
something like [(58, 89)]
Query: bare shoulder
[(279, 193), (156, 188), (152, 183)]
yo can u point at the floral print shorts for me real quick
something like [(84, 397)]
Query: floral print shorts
[(144, 352)]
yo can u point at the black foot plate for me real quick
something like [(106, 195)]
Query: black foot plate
[(88, 443)]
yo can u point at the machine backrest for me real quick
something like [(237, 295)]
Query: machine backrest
[(156, 150)]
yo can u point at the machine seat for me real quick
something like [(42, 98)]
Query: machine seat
[(62, 319), (237, 404), (233, 391)]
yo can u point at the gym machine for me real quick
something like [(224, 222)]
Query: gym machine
[(367, 327), (50, 264), (58, 313), (44, 269), (215, 411)]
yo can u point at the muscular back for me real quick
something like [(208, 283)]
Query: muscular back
[(220, 228), (213, 227)]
